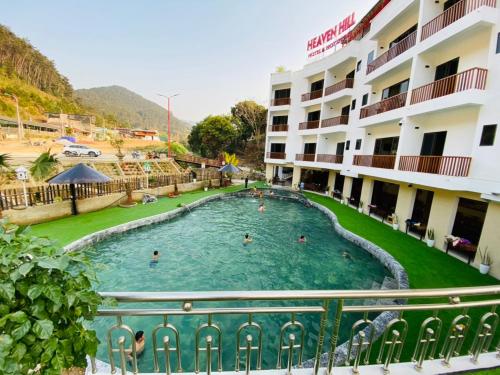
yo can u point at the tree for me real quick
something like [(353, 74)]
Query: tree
[(44, 166), (280, 69), (251, 119), (213, 135)]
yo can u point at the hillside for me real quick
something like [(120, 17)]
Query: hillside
[(130, 108)]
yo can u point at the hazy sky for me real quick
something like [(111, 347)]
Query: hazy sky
[(213, 52)]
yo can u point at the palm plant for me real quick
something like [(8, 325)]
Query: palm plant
[(231, 159), (4, 161), (44, 166)]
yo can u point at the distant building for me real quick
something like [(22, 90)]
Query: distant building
[(79, 123), (144, 134)]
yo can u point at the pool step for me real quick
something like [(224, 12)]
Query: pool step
[(387, 283)]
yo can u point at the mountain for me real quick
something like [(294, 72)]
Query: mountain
[(132, 109)]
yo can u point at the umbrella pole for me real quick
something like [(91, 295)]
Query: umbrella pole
[(72, 190)]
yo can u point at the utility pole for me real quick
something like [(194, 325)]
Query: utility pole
[(168, 120)]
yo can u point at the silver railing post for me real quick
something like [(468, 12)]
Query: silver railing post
[(480, 344), (209, 354), (249, 355), (321, 336), (425, 346), (390, 352), (454, 342), (166, 348), (335, 335), (123, 360), (291, 344), (357, 358)]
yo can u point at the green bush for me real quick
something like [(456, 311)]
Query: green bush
[(46, 298)]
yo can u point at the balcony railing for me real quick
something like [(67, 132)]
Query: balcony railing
[(394, 102), (278, 128), (347, 83), (280, 101), (339, 120), (444, 165), (309, 125), (312, 95), (327, 158), (375, 161), (452, 14), (219, 321), (474, 78), (276, 155), (305, 157), (396, 50)]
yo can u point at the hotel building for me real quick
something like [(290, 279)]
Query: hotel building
[(403, 118)]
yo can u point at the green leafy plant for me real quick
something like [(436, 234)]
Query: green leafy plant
[(430, 234), (44, 166), (117, 143), (46, 298), (484, 256)]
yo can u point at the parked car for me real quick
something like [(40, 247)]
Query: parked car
[(81, 150)]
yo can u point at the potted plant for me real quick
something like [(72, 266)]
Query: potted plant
[(360, 207), (117, 144), (430, 237), (395, 222), (484, 266), (46, 300), (128, 190)]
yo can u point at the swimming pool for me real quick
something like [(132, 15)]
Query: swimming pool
[(203, 250)]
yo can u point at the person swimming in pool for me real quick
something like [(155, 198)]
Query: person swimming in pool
[(302, 239), (140, 341), (262, 208), (154, 260), (346, 255), (247, 239)]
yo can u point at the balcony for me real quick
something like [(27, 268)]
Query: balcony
[(375, 161), (312, 95), (339, 120), (276, 155), (457, 166), (278, 128), (453, 14), (327, 158), (347, 83), (305, 157), (394, 102), (280, 101), (396, 50), (309, 125), (471, 79)]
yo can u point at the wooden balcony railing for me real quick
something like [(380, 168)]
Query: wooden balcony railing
[(276, 155), (474, 78), (327, 158), (280, 101), (347, 83), (453, 14), (444, 165), (375, 161), (305, 157), (396, 50), (309, 125), (312, 95), (396, 101), (278, 128), (339, 120)]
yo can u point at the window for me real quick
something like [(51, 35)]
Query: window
[(309, 148), (488, 135), (280, 120), (386, 146), (347, 145), (364, 101), (313, 116), (358, 66), (353, 104), (281, 94), (358, 144), (498, 43), (370, 57), (277, 147), (318, 85), (395, 89)]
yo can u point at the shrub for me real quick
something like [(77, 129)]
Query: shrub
[(46, 297)]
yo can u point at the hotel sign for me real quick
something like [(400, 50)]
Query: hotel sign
[(330, 38)]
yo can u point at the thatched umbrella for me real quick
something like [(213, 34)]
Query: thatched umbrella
[(79, 174), (229, 169)]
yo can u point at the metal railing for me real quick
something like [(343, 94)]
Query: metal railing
[(396, 50), (452, 14), (189, 158), (328, 158), (375, 161), (280, 101), (276, 155), (347, 83), (459, 321), (443, 165), (474, 78), (312, 95), (278, 128), (339, 120), (394, 102), (309, 125), (305, 157)]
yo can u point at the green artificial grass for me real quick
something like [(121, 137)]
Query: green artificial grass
[(71, 228)]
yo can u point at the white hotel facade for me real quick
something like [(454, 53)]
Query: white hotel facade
[(402, 119)]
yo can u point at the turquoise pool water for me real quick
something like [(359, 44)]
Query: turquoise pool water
[(203, 250)]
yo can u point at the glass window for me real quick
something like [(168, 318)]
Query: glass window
[(283, 93), (358, 66), (498, 43), (358, 144), (353, 104), (364, 101), (370, 57), (488, 135), (347, 145), (280, 120)]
